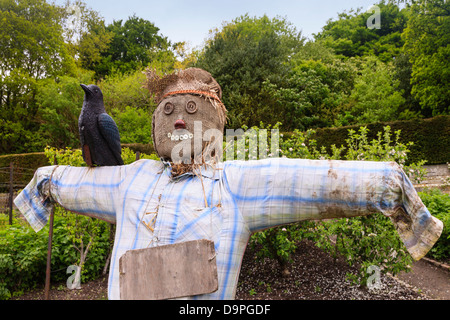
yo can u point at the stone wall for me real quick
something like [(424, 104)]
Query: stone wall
[(438, 176)]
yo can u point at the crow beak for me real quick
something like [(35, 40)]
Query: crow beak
[(86, 89)]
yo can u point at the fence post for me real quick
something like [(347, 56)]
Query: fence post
[(11, 191), (49, 251), (138, 155)]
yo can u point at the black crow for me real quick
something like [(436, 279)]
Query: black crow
[(99, 135)]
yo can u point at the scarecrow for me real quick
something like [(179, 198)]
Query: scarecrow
[(191, 195)]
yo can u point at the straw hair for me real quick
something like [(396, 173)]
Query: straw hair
[(189, 81)]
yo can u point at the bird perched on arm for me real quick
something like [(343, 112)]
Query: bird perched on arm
[(99, 135)]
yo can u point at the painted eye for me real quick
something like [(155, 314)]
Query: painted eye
[(168, 108), (191, 107)]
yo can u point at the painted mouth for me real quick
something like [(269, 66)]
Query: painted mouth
[(180, 124)]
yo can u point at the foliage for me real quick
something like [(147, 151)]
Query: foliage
[(22, 251), (73, 157), (402, 70), (125, 90), (431, 137), (363, 242), (90, 238), (38, 54), (427, 41), (246, 145), (280, 243), (311, 94), (380, 149), (438, 203), (60, 101), (348, 74), (133, 46), (23, 255), (85, 33), (349, 35), (244, 54), (31, 48), (374, 95), (130, 105), (134, 125)]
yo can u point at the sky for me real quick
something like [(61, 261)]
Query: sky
[(191, 20)]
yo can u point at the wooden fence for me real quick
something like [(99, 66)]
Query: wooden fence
[(12, 186)]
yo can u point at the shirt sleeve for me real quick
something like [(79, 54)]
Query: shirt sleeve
[(280, 191), (88, 191)]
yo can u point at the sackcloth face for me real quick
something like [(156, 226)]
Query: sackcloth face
[(189, 120)]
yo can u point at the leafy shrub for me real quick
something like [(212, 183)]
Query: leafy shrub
[(280, 243), (73, 157), (364, 241), (135, 125), (438, 203), (23, 255), (22, 258)]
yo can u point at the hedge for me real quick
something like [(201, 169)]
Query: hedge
[(142, 148), (431, 137)]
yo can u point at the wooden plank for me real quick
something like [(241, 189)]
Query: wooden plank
[(170, 271)]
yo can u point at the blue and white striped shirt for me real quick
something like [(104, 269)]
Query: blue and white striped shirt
[(227, 204)]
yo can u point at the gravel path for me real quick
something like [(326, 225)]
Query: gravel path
[(432, 280)]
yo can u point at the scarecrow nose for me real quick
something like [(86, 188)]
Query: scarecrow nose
[(180, 124)]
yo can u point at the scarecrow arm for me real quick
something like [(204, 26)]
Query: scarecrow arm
[(88, 191), (280, 191)]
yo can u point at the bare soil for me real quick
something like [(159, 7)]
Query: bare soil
[(314, 275), (430, 279)]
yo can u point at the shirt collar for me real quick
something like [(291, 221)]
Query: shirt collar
[(206, 171)]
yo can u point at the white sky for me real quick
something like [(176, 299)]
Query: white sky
[(191, 20)]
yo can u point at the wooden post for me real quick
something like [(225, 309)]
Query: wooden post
[(49, 252), (138, 155), (11, 191)]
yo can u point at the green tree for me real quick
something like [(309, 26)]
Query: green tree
[(32, 48), (85, 33), (311, 95), (402, 73), (242, 56), (130, 104), (122, 90), (31, 39), (134, 44), (427, 43), (374, 96), (60, 101), (349, 35), (135, 125)]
